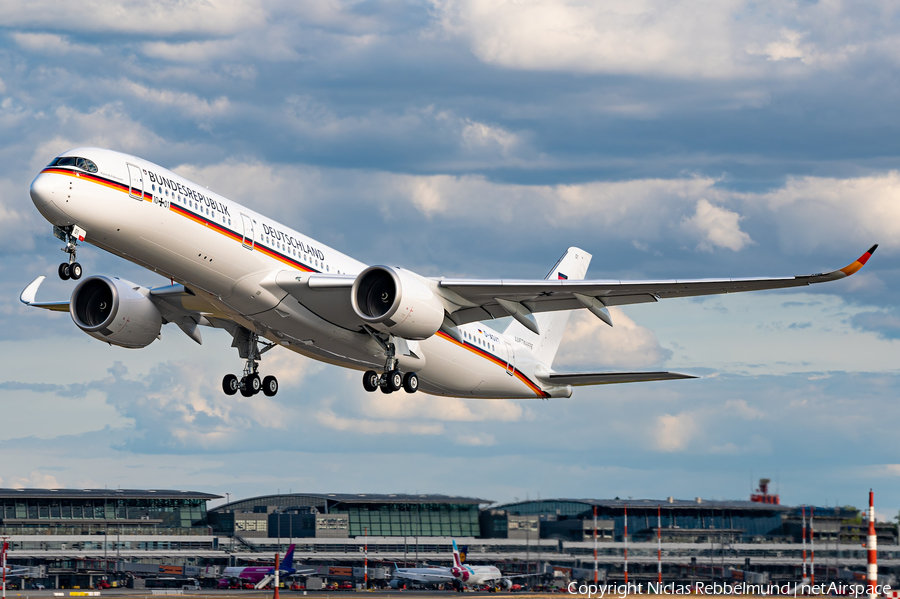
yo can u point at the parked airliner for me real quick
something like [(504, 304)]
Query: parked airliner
[(256, 574), (268, 285)]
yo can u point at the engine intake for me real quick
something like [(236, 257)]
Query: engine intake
[(115, 311), (396, 301)]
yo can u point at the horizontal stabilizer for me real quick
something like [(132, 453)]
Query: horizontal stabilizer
[(581, 379)]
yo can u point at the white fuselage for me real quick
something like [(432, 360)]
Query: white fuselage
[(477, 575), (226, 253)]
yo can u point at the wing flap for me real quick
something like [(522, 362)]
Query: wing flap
[(582, 379)]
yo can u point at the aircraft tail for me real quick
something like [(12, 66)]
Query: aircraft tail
[(572, 266), (288, 562), (456, 561)]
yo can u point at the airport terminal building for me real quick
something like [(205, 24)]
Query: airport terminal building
[(343, 515), (70, 538)]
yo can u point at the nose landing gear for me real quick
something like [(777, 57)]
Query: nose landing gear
[(247, 344), (71, 235), (392, 379)]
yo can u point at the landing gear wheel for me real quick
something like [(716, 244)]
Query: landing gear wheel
[(246, 391), (395, 380), (411, 382), (254, 384), (75, 271), (270, 386), (386, 390), (230, 384), (370, 381), (64, 271)]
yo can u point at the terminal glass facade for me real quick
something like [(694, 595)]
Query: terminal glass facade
[(177, 513), (412, 519)]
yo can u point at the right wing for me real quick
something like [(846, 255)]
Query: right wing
[(486, 299)]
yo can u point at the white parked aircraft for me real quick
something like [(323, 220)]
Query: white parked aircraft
[(476, 576), (427, 575), (267, 285)]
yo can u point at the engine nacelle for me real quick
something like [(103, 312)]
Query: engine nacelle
[(115, 311), (395, 301), (505, 584)]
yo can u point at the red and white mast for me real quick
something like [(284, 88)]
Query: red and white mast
[(626, 545), (659, 543), (812, 548), (803, 536), (595, 544), (872, 549), (3, 550)]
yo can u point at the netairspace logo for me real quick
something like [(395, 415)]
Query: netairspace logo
[(723, 588)]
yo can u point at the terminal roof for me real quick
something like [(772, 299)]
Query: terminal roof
[(332, 499), (106, 493), (700, 504)]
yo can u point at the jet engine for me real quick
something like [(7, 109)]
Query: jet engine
[(396, 301), (115, 311), (505, 584)]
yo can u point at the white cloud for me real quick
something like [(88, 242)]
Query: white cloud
[(51, 43), (187, 103), (680, 38), (674, 433), (35, 480), (481, 135), (329, 419), (717, 227), (163, 18), (814, 211), (445, 409), (589, 342), (476, 440)]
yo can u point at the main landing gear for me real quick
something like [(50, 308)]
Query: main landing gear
[(71, 269), (247, 344), (392, 379)]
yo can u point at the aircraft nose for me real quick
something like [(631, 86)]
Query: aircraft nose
[(42, 190)]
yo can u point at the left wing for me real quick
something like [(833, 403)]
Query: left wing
[(487, 299), (423, 577)]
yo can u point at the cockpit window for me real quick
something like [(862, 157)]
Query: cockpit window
[(82, 163)]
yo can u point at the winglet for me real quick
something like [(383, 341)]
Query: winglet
[(30, 293), (860, 262)]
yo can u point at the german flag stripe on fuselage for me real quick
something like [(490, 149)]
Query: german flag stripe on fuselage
[(95, 179), (182, 211), (496, 360)]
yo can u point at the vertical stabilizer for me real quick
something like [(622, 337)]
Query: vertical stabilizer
[(288, 562), (456, 561), (573, 266)]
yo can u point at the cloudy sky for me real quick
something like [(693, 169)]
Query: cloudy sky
[(481, 138)]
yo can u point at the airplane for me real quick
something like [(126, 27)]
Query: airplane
[(268, 285), (256, 574), (427, 575), (476, 576), (13, 571)]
